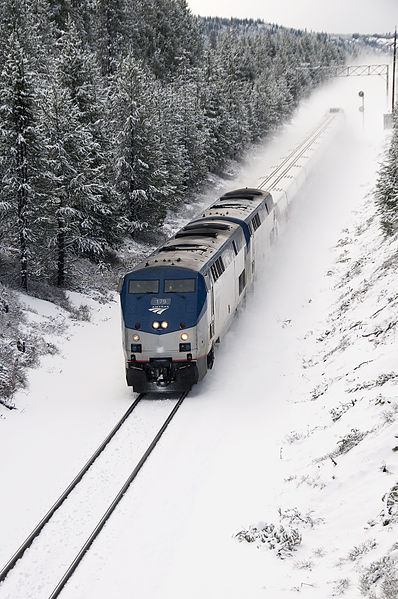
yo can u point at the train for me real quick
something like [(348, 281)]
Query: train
[(178, 303)]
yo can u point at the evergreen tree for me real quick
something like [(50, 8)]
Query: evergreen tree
[(79, 212), (165, 36), (387, 186), (20, 195), (185, 123), (141, 173), (111, 32)]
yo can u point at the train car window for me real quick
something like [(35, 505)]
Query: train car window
[(179, 285), (242, 281), (234, 246), (214, 272), (143, 286), (256, 222), (218, 269)]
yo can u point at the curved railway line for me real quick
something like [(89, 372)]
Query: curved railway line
[(35, 534)]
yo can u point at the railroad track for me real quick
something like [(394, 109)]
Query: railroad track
[(272, 179), (15, 566)]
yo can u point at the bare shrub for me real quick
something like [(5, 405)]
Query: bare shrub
[(315, 482), (389, 513), (353, 438), (304, 565), (380, 579), (283, 540), (319, 390), (345, 444), (340, 587), (382, 379), (20, 345), (360, 550), (390, 416), (295, 517), (337, 413), (83, 312)]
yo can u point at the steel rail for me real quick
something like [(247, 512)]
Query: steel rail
[(300, 153), (290, 156), (69, 573), (296, 153), (36, 531)]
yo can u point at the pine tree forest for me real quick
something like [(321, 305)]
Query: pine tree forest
[(113, 112), (387, 186)]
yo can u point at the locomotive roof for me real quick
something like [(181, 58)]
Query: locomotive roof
[(240, 203), (193, 246), (201, 240)]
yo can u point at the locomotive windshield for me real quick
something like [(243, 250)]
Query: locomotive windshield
[(143, 286), (179, 285)]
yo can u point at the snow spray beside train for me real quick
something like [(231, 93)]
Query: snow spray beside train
[(179, 302)]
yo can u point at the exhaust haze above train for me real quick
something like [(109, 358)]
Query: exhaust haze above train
[(356, 16)]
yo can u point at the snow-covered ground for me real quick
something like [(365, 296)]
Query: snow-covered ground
[(294, 427)]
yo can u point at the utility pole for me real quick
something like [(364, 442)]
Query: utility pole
[(393, 70), (361, 94)]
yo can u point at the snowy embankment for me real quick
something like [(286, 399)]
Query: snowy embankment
[(340, 520)]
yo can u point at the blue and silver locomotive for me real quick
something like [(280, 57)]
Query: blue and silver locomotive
[(181, 300)]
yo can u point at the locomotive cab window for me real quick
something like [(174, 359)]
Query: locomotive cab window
[(179, 285), (143, 286)]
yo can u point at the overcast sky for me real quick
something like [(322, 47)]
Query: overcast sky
[(339, 16)]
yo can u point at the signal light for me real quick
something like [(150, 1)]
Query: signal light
[(182, 325), (137, 325), (184, 336), (136, 337)]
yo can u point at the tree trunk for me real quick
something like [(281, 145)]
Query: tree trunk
[(22, 204), (61, 253)]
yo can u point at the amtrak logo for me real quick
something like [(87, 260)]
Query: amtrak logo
[(159, 309)]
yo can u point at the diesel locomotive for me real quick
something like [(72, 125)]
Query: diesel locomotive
[(181, 300)]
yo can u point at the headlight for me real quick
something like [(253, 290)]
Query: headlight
[(155, 325), (136, 337), (184, 336), (164, 324)]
